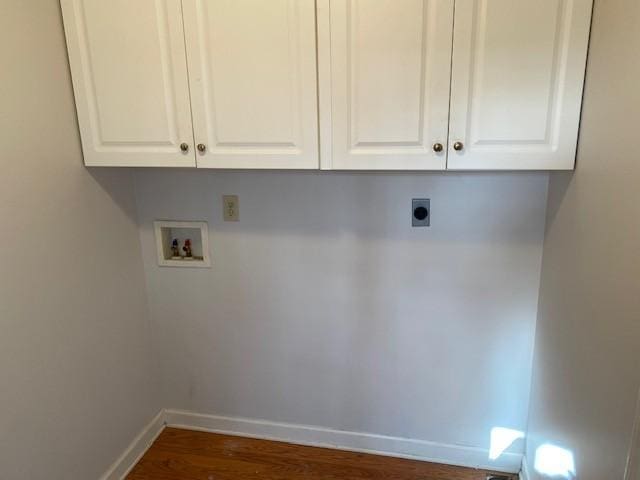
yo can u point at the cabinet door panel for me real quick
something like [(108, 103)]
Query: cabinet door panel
[(390, 70), (252, 66), (518, 72), (130, 81)]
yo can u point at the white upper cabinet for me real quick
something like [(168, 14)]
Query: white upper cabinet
[(518, 71), (130, 80), (252, 68), (331, 84), (387, 94)]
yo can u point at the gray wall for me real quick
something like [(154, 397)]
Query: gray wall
[(324, 307), (75, 352), (587, 360)]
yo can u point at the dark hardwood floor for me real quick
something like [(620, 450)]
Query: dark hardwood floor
[(190, 455)]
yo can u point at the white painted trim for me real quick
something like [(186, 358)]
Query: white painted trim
[(524, 471), (342, 440), (632, 471), (123, 465)]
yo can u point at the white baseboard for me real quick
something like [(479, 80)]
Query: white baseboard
[(314, 436), (136, 449), (342, 440), (524, 471)]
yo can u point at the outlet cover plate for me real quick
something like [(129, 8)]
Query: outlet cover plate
[(231, 208), (421, 212)]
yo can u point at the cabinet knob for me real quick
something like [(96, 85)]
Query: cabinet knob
[(202, 147), (437, 147), (184, 147), (458, 146)]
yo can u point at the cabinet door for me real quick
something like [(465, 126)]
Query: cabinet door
[(518, 72), (252, 68), (130, 81), (388, 90)]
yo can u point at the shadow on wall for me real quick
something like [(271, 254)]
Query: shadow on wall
[(117, 183), (559, 183), (549, 460), (364, 204)]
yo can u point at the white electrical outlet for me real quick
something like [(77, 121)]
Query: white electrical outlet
[(231, 208)]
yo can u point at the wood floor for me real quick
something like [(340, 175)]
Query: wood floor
[(189, 455)]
